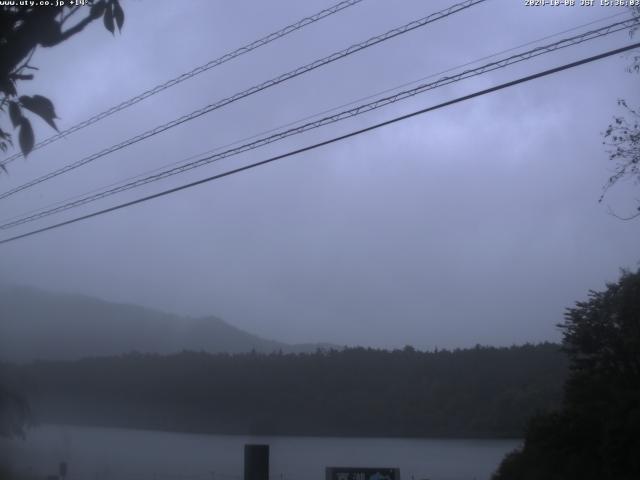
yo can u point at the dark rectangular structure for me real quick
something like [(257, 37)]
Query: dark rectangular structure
[(256, 462)]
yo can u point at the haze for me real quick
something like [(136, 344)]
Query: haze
[(478, 223)]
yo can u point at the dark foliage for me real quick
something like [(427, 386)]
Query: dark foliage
[(14, 414), (22, 30), (622, 137), (596, 434), (479, 392)]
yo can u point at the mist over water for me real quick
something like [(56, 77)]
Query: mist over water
[(104, 454)]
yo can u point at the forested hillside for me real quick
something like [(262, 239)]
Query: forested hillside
[(53, 326), (478, 392)]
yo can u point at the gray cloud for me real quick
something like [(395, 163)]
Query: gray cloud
[(477, 223)]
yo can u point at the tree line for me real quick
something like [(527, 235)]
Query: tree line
[(477, 392)]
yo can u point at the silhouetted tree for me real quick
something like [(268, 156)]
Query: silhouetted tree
[(596, 434), (14, 414)]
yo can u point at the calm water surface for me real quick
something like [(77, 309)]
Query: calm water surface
[(110, 453)]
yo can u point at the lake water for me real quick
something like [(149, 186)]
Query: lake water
[(110, 453)]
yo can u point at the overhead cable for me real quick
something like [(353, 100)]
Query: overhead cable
[(326, 142), (255, 89), (359, 110), (196, 71)]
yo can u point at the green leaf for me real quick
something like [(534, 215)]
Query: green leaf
[(118, 14), (14, 113), (41, 106), (21, 76), (108, 19), (26, 137), (8, 87), (6, 137), (97, 9)]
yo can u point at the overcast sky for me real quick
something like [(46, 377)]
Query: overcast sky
[(478, 223)]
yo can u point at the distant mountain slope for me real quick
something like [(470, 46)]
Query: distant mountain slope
[(35, 324)]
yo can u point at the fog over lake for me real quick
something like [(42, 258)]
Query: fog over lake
[(105, 453)]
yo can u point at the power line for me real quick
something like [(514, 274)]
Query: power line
[(255, 89), (309, 117), (331, 119), (330, 141), (196, 71), (502, 63)]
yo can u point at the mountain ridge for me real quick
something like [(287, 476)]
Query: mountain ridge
[(66, 326)]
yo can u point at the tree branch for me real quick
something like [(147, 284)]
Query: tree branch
[(77, 28), (614, 214)]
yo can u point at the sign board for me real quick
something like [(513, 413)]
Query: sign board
[(355, 473)]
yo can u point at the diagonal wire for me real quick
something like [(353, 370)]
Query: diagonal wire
[(367, 107), (196, 71), (315, 115), (327, 142), (255, 89)]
